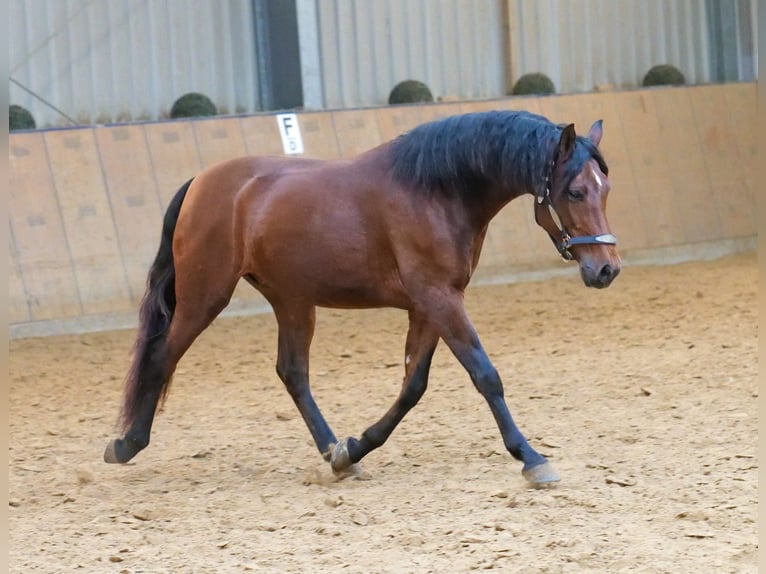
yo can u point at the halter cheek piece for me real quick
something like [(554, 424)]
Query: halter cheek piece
[(558, 233)]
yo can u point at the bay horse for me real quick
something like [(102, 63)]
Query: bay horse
[(401, 225)]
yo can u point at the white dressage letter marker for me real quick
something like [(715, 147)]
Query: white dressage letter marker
[(290, 130)]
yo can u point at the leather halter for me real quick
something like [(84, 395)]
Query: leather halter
[(558, 233)]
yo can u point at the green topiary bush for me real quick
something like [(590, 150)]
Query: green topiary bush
[(664, 75), (533, 84), (409, 92), (193, 105), (20, 119)]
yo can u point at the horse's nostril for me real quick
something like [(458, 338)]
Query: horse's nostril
[(605, 274)]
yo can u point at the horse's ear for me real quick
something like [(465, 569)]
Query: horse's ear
[(567, 143), (596, 131)]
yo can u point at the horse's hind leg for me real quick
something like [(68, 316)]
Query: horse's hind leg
[(296, 330), (419, 349), (193, 314)]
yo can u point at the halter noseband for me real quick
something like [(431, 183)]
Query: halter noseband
[(558, 233)]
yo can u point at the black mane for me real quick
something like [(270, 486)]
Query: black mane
[(465, 153)]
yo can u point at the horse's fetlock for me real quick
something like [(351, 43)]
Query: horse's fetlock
[(373, 439), (138, 442)]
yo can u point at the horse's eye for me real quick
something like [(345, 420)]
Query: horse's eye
[(575, 195)]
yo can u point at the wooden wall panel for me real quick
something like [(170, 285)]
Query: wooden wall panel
[(481, 106), (525, 104), (725, 168), (136, 206), (680, 144), (219, 139), (174, 156), (395, 120), (741, 101), (433, 112), (356, 131), (741, 104), (515, 241), (18, 305), (39, 241), (662, 219), (319, 138), (88, 221), (261, 135), (563, 110)]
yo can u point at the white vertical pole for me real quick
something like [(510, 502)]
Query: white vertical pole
[(311, 66)]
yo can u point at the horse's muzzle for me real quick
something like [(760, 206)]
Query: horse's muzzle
[(599, 277)]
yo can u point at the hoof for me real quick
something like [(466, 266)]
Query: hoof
[(541, 474), (340, 461), (110, 454), (120, 451)]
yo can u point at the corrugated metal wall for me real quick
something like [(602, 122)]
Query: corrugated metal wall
[(120, 60), (368, 46), (584, 44)]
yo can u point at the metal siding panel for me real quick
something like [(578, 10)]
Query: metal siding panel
[(582, 44), (364, 60), (368, 46), (754, 32), (116, 60), (121, 60)]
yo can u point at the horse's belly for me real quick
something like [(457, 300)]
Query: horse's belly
[(360, 297)]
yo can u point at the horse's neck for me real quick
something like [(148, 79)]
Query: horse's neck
[(496, 198)]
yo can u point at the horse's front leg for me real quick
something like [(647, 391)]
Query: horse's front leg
[(457, 331), (296, 330), (419, 349)]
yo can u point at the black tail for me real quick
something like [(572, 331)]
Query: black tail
[(144, 380)]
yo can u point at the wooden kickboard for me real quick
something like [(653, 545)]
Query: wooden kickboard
[(219, 139), (174, 155), (725, 167), (88, 221), (261, 135), (37, 230), (18, 308), (396, 120), (563, 109), (663, 221), (510, 235), (742, 104), (318, 134), (525, 104), (433, 112), (136, 205), (357, 131), (471, 107), (681, 147)]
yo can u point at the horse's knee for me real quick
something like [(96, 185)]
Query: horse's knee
[(294, 379)]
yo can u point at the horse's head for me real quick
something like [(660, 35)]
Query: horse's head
[(577, 190)]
